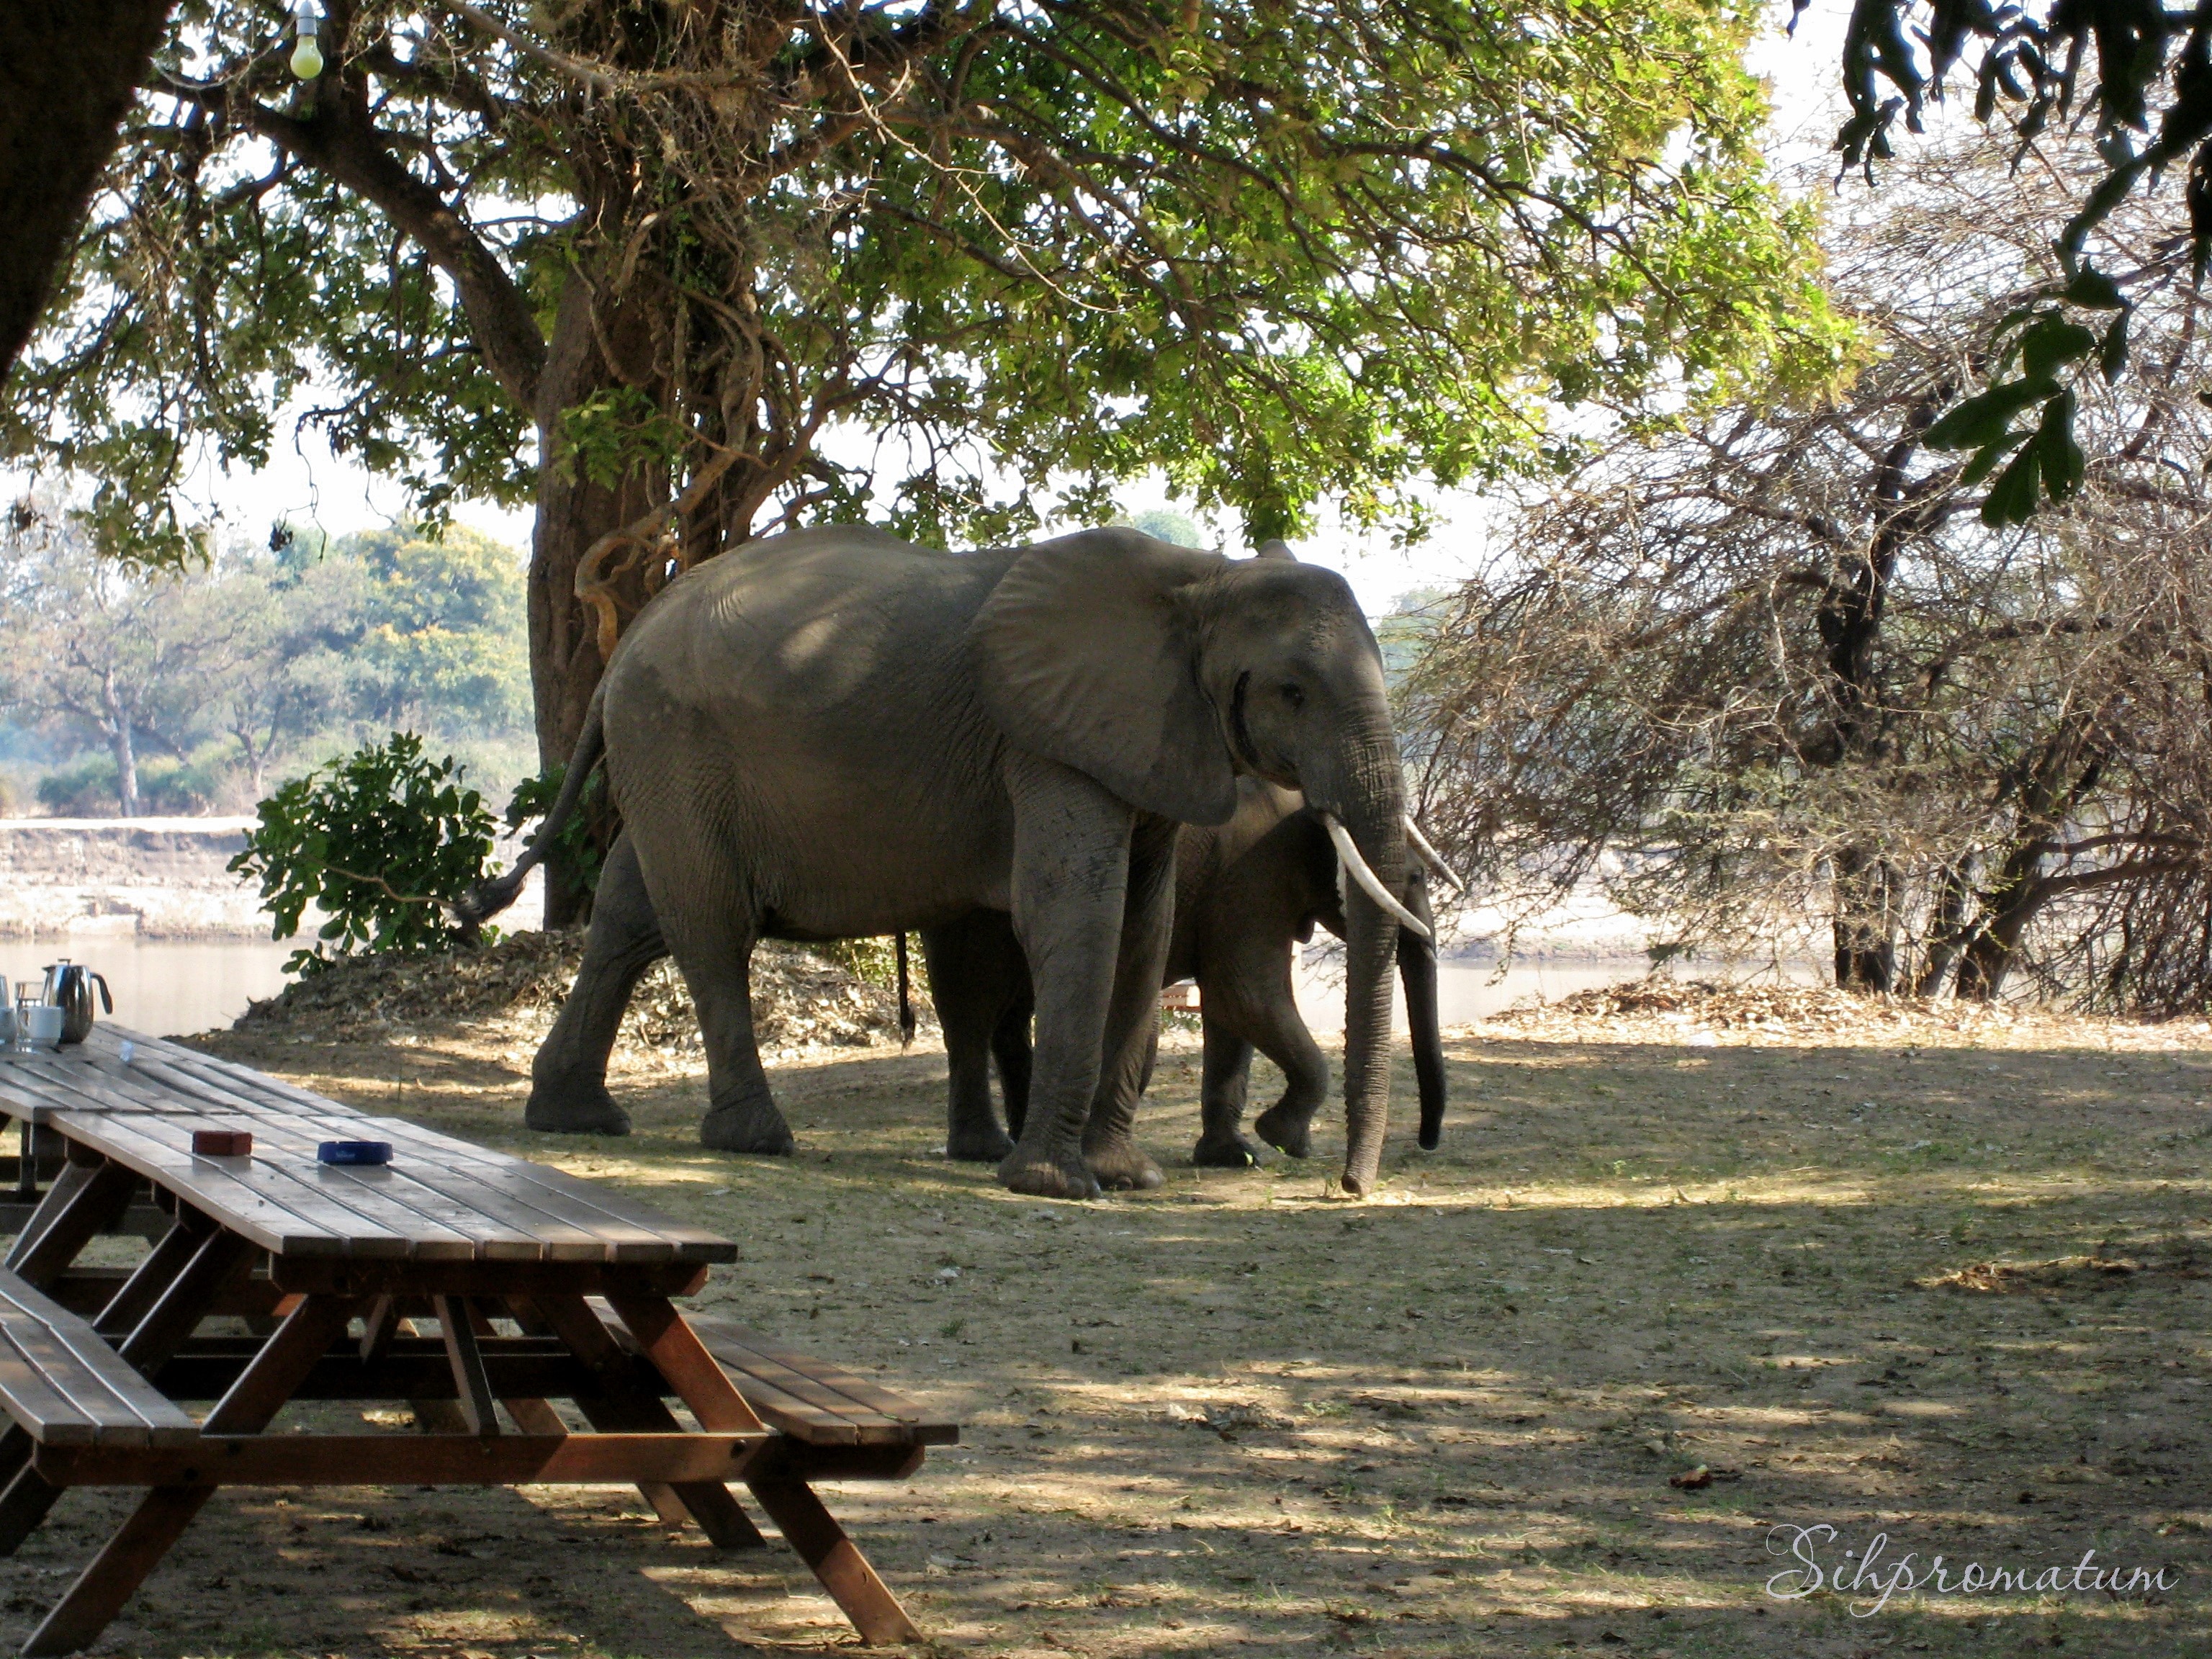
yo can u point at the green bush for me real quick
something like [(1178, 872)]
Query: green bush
[(533, 798), (381, 840)]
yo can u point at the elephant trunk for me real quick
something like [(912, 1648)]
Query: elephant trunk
[(1364, 790), (1417, 971)]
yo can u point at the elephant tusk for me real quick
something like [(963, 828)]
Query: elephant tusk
[(1369, 883), (1429, 856)]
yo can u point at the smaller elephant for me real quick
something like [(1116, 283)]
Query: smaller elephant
[(1244, 891)]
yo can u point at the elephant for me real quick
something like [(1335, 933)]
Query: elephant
[(1244, 891), (829, 733)]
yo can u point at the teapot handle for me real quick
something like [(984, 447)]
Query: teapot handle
[(107, 1002)]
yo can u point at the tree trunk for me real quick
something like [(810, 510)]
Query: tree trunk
[(1946, 929), (572, 513), (67, 68), (1865, 922), (125, 753), (1991, 953)]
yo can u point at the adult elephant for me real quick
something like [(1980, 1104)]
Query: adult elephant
[(1246, 892), (832, 733)]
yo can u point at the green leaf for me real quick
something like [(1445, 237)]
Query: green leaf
[(1982, 420), (2051, 341), (1979, 468), (2112, 355), (2095, 290), (2063, 464), (2012, 499)]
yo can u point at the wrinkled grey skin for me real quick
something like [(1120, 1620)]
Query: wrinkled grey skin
[(1244, 891), (831, 734)]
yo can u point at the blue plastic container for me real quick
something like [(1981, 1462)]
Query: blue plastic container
[(354, 1152)]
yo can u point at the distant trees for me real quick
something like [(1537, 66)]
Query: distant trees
[(264, 660), (1801, 663)]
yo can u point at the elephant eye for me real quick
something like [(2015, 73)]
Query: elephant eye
[(1294, 696)]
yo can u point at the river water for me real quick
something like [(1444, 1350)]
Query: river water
[(164, 986)]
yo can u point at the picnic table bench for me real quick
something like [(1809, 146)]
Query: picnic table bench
[(540, 1287)]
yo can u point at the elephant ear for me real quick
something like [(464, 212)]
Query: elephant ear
[(1088, 654)]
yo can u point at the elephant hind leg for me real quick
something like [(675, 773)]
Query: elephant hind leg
[(975, 970), (568, 1077), (713, 944)]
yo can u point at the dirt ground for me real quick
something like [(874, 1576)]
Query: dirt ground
[(1945, 1282)]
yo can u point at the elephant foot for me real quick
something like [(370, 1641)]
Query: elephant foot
[(574, 1109), (986, 1143), (1122, 1167), (1232, 1150), (1290, 1133), (748, 1124), (1041, 1176)]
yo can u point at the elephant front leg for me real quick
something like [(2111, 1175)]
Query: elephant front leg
[(1110, 1144), (568, 1077), (1071, 872), (1224, 1079)]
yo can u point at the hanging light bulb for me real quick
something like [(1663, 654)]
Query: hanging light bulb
[(308, 54)]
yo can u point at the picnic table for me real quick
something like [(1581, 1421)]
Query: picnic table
[(480, 1288)]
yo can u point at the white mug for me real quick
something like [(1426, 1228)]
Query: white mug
[(44, 1021)]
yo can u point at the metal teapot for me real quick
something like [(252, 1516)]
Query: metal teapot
[(69, 987)]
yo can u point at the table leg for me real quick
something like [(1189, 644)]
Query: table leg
[(621, 1407), (531, 1416), (307, 1334), (71, 1177), (90, 1206), (836, 1560), (139, 1293), (698, 1377), (472, 1388)]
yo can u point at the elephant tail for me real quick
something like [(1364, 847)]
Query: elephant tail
[(487, 898)]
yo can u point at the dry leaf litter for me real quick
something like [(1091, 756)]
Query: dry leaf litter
[(801, 1003), (1701, 1013)]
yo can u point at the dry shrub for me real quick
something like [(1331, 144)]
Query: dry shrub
[(800, 1000)]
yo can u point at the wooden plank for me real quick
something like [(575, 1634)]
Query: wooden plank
[(443, 1169), (69, 1086), (377, 1460), (675, 1350), (79, 1363), (234, 1197), (825, 1386), (40, 1410), (504, 1186), (791, 1412), (438, 1226), (308, 1333)]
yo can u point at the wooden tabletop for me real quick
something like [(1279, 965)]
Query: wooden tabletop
[(440, 1198), (158, 1076)]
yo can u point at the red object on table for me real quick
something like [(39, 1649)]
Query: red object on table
[(221, 1143)]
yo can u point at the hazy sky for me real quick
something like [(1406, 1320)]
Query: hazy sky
[(305, 482)]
